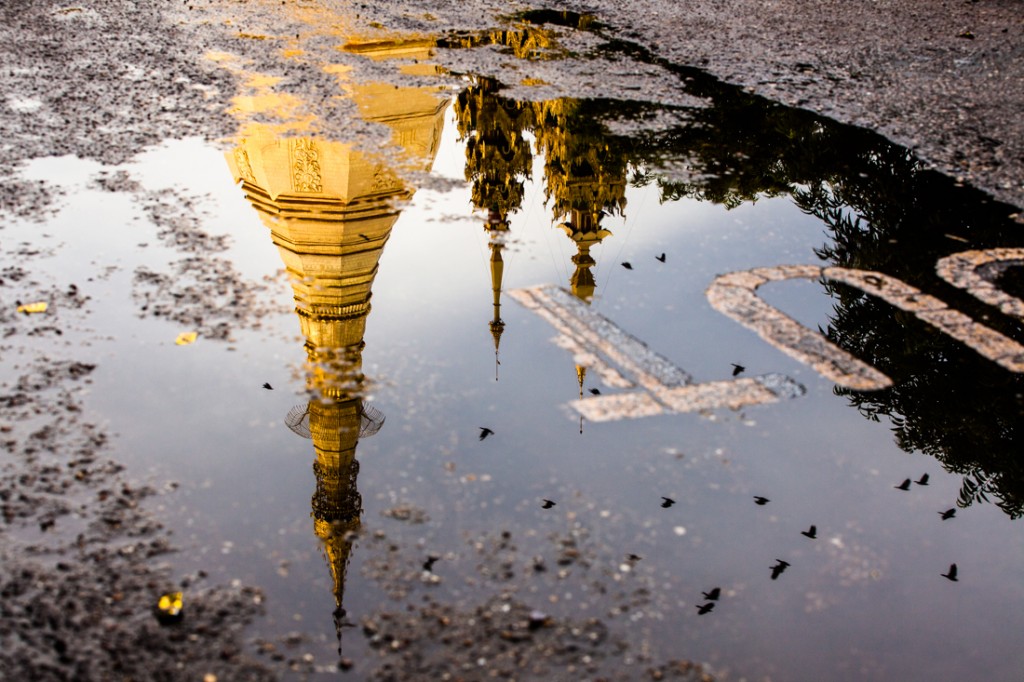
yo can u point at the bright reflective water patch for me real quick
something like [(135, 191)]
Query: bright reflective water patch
[(733, 295), (366, 429), (665, 387)]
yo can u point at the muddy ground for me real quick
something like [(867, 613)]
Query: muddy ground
[(84, 562)]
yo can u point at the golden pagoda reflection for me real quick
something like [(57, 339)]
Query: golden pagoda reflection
[(584, 175), (330, 209), (498, 162), (497, 226), (524, 42), (585, 180)]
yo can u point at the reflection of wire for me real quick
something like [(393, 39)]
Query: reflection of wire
[(370, 420), (545, 235), (297, 420), (628, 224)]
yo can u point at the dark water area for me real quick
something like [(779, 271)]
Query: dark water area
[(546, 269)]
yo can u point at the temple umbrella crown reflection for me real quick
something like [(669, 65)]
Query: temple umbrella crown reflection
[(584, 175), (330, 209), (585, 179)]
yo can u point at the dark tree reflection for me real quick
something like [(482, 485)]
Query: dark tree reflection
[(881, 209)]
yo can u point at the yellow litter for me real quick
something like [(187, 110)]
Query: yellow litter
[(186, 338), (37, 307), (169, 608)]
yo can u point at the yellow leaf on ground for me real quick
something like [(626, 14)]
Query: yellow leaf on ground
[(37, 307), (185, 338), (170, 603)]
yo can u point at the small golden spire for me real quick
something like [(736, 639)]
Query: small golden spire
[(581, 375), (584, 228), (497, 227)]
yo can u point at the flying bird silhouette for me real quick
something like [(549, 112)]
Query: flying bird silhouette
[(626, 264), (594, 391), (761, 501), (484, 432), (778, 568), (660, 258), (713, 595), (811, 532), (634, 557), (428, 565), (268, 386), (737, 369), (548, 504), (705, 608), (948, 514), (667, 502), (903, 486), (952, 573), (923, 480)]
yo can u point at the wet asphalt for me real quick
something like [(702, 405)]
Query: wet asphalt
[(943, 78)]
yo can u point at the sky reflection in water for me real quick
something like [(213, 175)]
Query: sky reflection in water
[(419, 372)]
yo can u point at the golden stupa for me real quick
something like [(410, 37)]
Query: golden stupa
[(330, 208), (498, 162), (585, 180)]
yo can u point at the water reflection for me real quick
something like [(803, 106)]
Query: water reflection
[(584, 180), (330, 209), (883, 212), (498, 162)]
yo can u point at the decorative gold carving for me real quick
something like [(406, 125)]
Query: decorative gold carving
[(384, 180), (243, 165), (305, 161)]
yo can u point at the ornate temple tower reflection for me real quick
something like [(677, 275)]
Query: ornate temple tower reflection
[(584, 177), (330, 209), (498, 161), (585, 180)]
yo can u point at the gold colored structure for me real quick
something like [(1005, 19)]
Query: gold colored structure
[(330, 209), (584, 178), (498, 162)]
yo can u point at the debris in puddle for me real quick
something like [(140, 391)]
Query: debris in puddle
[(404, 512), (186, 338), (168, 609), (29, 308)]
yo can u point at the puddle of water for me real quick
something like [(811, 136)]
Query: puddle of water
[(366, 455)]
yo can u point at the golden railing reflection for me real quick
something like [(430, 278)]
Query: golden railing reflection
[(330, 209)]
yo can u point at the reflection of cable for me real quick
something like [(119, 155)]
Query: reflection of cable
[(546, 235), (370, 420), (530, 202), (628, 225)]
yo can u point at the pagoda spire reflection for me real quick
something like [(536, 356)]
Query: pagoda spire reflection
[(330, 209), (497, 227), (585, 180), (498, 162)]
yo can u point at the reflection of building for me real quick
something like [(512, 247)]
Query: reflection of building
[(498, 161), (528, 42), (585, 178), (584, 175), (498, 229), (330, 209)]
